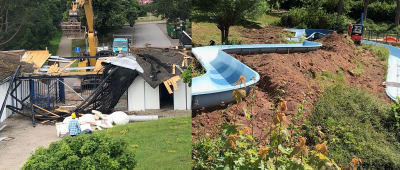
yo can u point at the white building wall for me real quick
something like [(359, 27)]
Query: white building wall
[(136, 100), (182, 96), (3, 91), (142, 96), (152, 97)]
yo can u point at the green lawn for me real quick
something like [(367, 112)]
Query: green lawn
[(54, 43), (270, 18), (203, 32), (149, 18), (159, 144)]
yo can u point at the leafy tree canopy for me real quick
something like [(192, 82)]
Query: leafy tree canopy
[(172, 9)]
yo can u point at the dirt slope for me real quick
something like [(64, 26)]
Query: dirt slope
[(298, 77)]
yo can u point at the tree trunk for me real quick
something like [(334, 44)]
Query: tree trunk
[(226, 34), (6, 20), (366, 3), (222, 35), (340, 7), (396, 20)]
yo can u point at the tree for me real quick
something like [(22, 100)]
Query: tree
[(226, 13), (113, 14), (366, 3), (340, 7), (172, 9), (396, 20), (29, 24)]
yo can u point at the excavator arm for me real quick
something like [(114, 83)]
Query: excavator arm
[(73, 26)]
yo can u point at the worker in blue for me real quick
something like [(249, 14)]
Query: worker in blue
[(74, 127)]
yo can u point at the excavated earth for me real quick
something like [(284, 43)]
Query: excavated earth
[(294, 77)]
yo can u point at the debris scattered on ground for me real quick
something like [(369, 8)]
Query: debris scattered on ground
[(9, 63)]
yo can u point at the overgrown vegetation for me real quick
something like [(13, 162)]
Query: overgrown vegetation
[(193, 70), (237, 148), (316, 18), (84, 152), (355, 123)]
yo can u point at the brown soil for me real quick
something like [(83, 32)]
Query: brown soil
[(265, 35), (9, 64), (298, 75)]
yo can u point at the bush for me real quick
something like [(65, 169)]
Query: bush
[(83, 152), (355, 124), (314, 18)]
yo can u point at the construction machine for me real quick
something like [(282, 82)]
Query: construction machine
[(355, 32), (73, 29)]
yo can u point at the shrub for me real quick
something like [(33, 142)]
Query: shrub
[(83, 152), (355, 124), (314, 18)]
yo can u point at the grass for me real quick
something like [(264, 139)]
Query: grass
[(77, 43), (269, 19), (355, 123), (150, 18), (160, 144), (381, 51), (54, 43), (203, 32), (326, 79)]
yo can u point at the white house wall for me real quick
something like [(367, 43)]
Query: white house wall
[(152, 97), (181, 96), (188, 97), (3, 92), (136, 100)]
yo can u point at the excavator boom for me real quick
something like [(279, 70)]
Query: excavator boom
[(73, 28)]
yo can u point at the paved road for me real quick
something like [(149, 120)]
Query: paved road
[(64, 50), (163, 28), (152, 34)]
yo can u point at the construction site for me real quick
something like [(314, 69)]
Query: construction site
[(130, 78)]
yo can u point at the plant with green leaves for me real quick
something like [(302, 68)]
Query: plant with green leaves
[(83, 151)]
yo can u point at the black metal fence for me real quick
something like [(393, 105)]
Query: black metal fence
[(382, 36)]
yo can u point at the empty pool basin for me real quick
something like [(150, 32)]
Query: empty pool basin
[(308, 33), (222, 70)]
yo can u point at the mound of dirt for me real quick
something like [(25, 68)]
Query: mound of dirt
[(298, 78), (9, 64), (265, 35)]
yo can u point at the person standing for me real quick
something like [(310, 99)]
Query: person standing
[(74, 127)]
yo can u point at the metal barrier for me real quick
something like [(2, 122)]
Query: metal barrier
[(45, 92), (382, 36)]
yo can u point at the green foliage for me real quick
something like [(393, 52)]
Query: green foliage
[(113, 14), (83, 152), (316, 18), (381, 51), (172, 9), (355, 123), (54, 43), (187, 75), (396, 114), (33, 23), (238, 149)]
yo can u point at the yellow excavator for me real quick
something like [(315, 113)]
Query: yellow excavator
[(73, 29)]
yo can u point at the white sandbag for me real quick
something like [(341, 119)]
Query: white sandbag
[(120, 118), (67, 119), (109, 119), (87, 118)]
